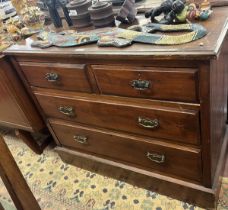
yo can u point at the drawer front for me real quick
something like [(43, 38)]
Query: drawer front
[(175, 160), (161, 122), (58, 76), (178, 84)]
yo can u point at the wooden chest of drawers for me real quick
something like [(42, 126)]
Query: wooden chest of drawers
[(156, 115), (14, 99), (18, 111)]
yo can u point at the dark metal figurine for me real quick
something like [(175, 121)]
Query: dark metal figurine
[(127, 12), (170, 8), (55, 17)]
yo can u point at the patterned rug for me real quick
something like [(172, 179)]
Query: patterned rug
[(59, 186)]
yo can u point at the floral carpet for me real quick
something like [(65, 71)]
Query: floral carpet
[(59, 186)]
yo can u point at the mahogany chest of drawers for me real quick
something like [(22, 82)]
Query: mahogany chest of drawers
[(13, 99), (150, 115), (17, 110)]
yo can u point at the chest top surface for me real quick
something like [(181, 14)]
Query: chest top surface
[(207, 47)]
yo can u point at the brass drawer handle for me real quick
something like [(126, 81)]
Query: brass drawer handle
[(140, 84), (67, 110), (148, 123), (81, 139), (52, 77), (156, 157)]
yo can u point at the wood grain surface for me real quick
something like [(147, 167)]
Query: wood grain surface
[(175, 124), (14, 181), (165, 83), (17, 110), (182, 162), (71, 77)]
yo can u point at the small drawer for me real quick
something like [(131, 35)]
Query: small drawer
[(170, 159), (174, 122), (70, 77), (178, 84)]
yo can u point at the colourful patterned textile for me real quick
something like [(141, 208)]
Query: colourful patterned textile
[(59, 186)]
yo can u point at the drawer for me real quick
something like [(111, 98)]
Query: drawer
[(179, 84), (166, 158), (148, 119), (58, 76)]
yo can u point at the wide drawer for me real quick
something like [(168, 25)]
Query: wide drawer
[(148, 119), (166, 158), (58, 76), (179, 84)]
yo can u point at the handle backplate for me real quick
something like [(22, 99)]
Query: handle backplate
[(140, 84), (157, 158), (52, 77), (148, 123), (67, 110), (81, 139)]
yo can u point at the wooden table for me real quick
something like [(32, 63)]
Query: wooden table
[(169, 136), (14, 181)]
